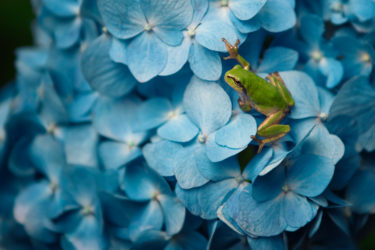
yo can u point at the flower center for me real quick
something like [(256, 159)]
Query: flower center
[(224, 3), (105, 29), (365, 57), (148, 27), (87, 210), (51, 128), (155, 195), (323, 116), (337, 7), (53, 186), (202, 138), (172, 114), (317, 55), (191, 32), (285, 188), (131, 144)]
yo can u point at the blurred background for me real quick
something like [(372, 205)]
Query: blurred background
[(16, 18), (15, 31)]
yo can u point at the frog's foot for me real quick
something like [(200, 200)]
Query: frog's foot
[(260, 142), (232, 50)]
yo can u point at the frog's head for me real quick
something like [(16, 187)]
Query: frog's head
[(234, 78)]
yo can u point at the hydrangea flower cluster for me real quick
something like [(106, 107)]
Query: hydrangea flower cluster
[(119, 131)]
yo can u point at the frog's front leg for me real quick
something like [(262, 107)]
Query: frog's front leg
[(233, 54), (271, 129)]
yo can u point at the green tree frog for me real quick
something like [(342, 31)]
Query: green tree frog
[(270, 98)]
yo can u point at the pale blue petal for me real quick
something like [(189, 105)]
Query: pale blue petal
[(160, 156), (116, 154), (304, 93), (204, 63), (278, 59), (310, 174), (150, 217), (211, 32), (244, 9), (123, 18), (207, 104), (257, 164), (204, 201), (178, 129), (177, 57), (152, 113), (333, 70), (218, 171), (248, 26), (171, 37), (186, 170), (147, 56), (216, 152), (104, 75), (236, 134), (174, 213), (272, 20), (117, 51), (168, 13), (200, 8), (80, 145)]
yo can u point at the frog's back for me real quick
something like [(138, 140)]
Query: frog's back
[(264, 96)]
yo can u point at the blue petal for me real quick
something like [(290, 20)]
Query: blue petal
[(259, 219), (236, 134), (218, 153), (278, 59), (267, 243), (123, 18), (48, 156), (248, 26), (272, 21), (204, 201), (158, 156), (168, 13), (186, 169), (312, 28), (210, 33), (269, 186), (174, 213), (207, 104), (304, 93), (62, 8), (363, 9), (80, 145), (171, 37), (111, 121), (117, 51), (257, 164), (310, 174), (141, 183), (298, 210), (178, 129), (147, 56), (188, 240), (116, 154), (219, 170), (87, 235), (200, 8), (67, 33), (152, 113), (204, 63), (244, 9), (105, 76), (177, 57), (150, 217), (360, 191), (333, 70)]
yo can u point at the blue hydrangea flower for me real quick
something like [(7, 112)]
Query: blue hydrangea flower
[(153, 26)]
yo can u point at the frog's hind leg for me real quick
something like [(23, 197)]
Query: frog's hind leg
[(276, 80), (271, 129), (272, 133)]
